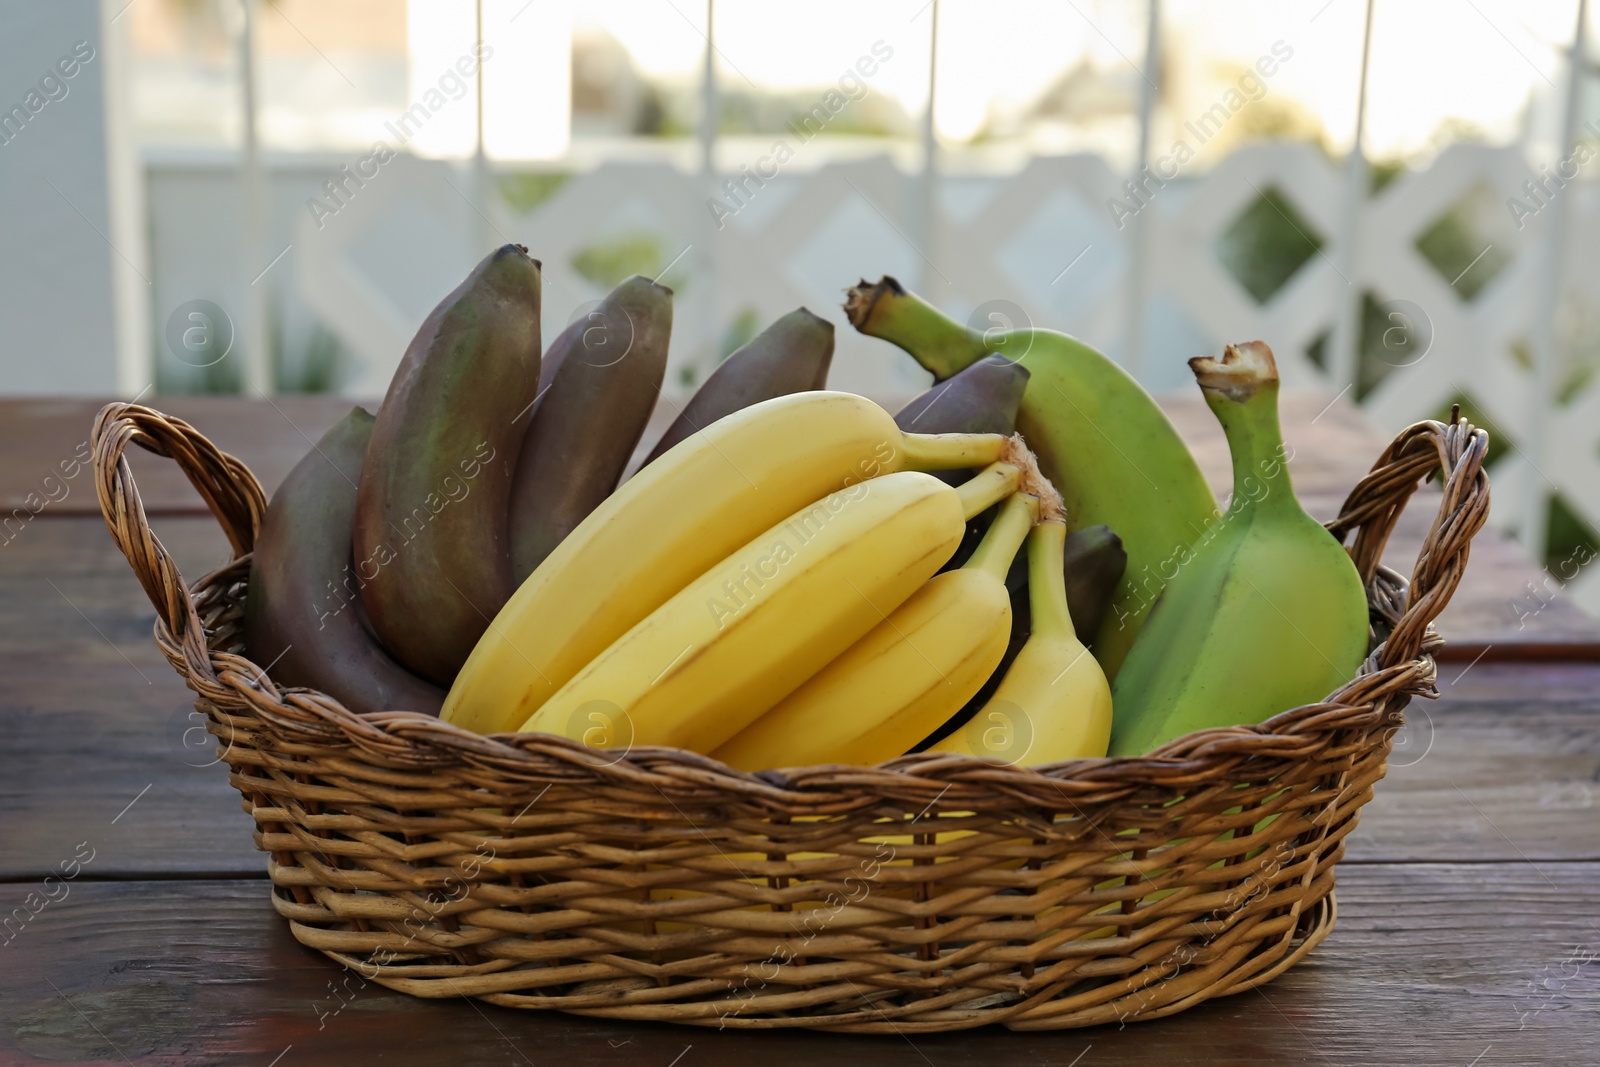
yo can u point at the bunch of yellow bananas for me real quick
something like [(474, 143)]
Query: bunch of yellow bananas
[(768, 592)]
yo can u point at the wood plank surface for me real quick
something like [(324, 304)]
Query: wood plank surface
[(93, 714), (38, 436), (1497, 965), (1505, 765)]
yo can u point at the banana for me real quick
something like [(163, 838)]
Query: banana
[(1099, 437), (1092, 565), (789, 356), (301, 615), (1019, 637), (911, 673), (431, 541), (670, 523), (1266, 611), (604, 324), (750, 630), (610, 326), (1053, 702), (981, 398), (588, 422)]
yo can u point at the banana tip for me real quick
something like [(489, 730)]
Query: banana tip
[(1017, 453), (641, 283), (1243, 369), (810, 318), (861, 298)]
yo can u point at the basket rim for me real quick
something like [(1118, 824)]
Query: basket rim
[(301, 715)]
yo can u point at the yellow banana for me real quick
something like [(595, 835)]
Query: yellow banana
[(750, 630), (912, 672), (1054, 703), (671, 522)]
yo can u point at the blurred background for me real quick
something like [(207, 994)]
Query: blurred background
[(267, 196)]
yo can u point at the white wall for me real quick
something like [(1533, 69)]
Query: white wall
[(73, 270)]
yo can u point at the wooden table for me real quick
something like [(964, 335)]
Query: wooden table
[(1469, 927)]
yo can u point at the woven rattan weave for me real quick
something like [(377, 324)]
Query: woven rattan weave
[(930, 893)]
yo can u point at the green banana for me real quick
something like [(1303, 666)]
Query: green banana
[(1100, 439), (1266, 611), (302, 612), (790, 356), (590, 419), (431, 542)]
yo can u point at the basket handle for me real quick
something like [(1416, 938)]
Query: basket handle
[(1455, 451), (226, 484)]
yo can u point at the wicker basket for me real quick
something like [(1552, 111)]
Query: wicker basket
[(534, 872)]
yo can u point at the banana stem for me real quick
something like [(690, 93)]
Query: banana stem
[(988, 487), (887, 310), (1047, 580), (1241, 389), (949, 451), (1005, 535)]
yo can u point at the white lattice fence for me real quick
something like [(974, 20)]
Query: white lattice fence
[(1043, 239)]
